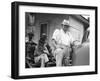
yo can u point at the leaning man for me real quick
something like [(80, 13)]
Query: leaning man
[(61, 42)]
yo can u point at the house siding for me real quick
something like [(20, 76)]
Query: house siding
[(77, 29)]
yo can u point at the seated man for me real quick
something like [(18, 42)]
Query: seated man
[(41, 51), (61, 42)]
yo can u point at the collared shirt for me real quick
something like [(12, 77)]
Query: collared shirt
[(63, 38)]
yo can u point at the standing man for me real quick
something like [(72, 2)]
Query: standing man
[(62, 41)]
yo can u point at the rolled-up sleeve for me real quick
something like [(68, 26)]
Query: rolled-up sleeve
[(55, 34), (74, 41)]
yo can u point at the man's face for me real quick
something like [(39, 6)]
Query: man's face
[(65, 27)]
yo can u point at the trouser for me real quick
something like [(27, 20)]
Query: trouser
[(60, 53), (42, 58)]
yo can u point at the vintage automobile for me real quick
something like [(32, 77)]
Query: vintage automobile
[(81, 54)]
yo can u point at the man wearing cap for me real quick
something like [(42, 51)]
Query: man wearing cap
[(62, 41)]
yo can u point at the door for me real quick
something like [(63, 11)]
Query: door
[(43, 29)]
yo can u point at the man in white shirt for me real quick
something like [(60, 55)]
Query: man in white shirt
[(62, 41)]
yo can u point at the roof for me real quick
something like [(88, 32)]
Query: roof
[(82, 19)]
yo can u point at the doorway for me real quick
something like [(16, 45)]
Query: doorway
[(43, 29)]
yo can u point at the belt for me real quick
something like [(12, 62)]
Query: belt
[(65, 46)]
